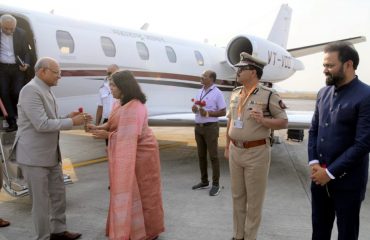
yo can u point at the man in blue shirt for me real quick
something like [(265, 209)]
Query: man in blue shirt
[(208, 105), (339, 145)]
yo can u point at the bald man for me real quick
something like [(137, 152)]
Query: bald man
[(105, 98), (38, 153), (209, 104)]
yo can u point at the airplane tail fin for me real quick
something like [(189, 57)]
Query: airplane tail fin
[(280, 30)]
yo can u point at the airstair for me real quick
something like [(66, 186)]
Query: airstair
[(13, 181)]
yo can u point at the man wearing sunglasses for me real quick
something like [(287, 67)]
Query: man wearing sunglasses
[(254, 111)]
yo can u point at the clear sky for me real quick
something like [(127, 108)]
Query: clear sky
[(313, 21)]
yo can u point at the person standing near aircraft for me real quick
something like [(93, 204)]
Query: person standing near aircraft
[(254, 111), (37, 150), (135, 209), (208, 105), (339, 145), (14, 61), (105, 98)]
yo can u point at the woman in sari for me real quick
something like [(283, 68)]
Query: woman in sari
[(135, 208)]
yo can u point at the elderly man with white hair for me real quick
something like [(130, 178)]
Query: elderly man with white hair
[(14, 61)]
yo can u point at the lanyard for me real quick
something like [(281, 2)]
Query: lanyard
[(243, 100), (201, 97)]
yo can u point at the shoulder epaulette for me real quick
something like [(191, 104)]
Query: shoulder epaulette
[(268, 89), (237, 88)]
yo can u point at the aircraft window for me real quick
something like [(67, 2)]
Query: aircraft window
[(199, 58), (171, 54), (65, 42), (142, 50), (108, 46)]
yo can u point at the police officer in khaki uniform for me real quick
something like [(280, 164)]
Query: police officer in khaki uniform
[(254, 111)]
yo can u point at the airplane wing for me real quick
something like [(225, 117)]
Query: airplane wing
[(296, 119), (299, 119), (307, 50), (177, 119)]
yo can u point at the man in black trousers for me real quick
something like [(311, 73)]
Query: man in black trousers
[(14, 61), (339, 145)]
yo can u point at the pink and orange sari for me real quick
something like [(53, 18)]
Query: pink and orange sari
[(135, 209)]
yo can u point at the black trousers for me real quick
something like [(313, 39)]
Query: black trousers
[(11, 82), (206, 137), (328, 203), (106, 140)]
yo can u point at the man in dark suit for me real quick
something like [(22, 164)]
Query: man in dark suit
[(339, 145), (14, 61)]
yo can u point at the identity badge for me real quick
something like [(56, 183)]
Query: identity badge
[(238, 124)]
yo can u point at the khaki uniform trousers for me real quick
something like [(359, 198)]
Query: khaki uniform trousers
[(249, 171)]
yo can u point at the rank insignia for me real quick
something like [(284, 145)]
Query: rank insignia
[(282, 105)]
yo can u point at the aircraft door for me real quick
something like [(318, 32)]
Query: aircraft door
[(22, 23)]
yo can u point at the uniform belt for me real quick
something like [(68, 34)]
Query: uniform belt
[(9, 64), (205, 124), (248, 144)]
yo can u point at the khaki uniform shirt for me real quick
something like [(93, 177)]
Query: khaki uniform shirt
[(266, 99)]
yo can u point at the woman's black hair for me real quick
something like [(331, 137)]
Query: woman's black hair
[(130, 88)]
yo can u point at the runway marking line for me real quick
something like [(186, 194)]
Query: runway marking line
[(68, 166), (88, 162)]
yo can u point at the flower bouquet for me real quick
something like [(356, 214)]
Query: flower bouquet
[(81, 110), (199, 103)]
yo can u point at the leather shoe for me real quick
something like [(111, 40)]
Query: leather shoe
[(65, 236), (4, 223), (11, 128)]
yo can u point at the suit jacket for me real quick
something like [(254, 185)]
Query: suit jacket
[(20, 45), (37, 139), (339, 136)]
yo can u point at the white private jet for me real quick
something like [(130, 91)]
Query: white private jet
[(167, 68)]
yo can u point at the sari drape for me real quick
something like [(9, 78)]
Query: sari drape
[(135, 209)]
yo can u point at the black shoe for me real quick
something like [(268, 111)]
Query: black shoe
[(12, 128), (215, 190), (200, 185), (65, 236)]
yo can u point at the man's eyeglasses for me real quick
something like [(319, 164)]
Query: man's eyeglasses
[(54, 71)]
